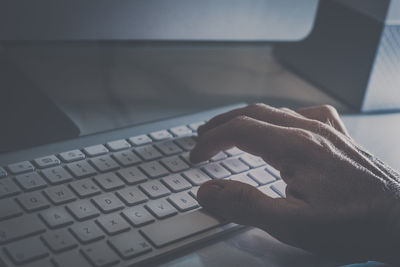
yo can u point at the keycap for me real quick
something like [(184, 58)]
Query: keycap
[(108, 203), (30, 181), (193, 191), (140, 140), (100, 255), (83, 210), (161, 208), (109, 181), (3, 172), (132, 175), (85, 188), (104, 163), (47, 161), (132, 196), (126, 158), (118, 145), (176, 183), (33, 201), (59, 240), (186, 143), (215, 170), (148, 152), (20, 227), (20, 167), (196, 176), (155, 189), (234, 165), (261, 176), (168, 147), (130, 245), (160, 135), (252, 161), (154, 169), (26, 250), (81, 169), (183, 201), (244, 179), (8, 188), (56, 217), (221, 155), (176, 228), (95, 150), (86, 232), (71, 258), (113, 224), (279, 187), (137, 216), (57, 175), (273, 171), (181, 130), (59, 194), (72, 155), (234, 151), (8, 209), (195, 125), (174, 164), (268, 191)]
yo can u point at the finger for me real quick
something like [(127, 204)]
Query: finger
[(326, 114)]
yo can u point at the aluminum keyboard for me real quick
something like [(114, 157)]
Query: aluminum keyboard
[(116, 204)]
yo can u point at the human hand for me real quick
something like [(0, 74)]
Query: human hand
[(340, 202)]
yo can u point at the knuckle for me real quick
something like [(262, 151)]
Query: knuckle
[(328, 110), (257, 107)]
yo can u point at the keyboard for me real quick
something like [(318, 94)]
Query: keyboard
[(123, 201)]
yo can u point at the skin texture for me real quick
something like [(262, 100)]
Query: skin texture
[(341, 202)]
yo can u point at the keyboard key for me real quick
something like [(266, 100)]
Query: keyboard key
[(220, 156), (160, 135), (176, 183), (33, 201), (113, 224), (26, 250), (126, 158), (8, 209), (85, 188), (186, 143), (48, 161), (261, 176), (181, 130), (108, 203), (104, 163), (59, 240), (21, 167), (20, 227), (186, 157), (8, 188), (100, 255), (56, 217), (183, 201), (30, 181), (132, 196), (196, 176), (161, 208), (193, 191), (73, 155), (130, 245), (273, 171), (3, 172), (140, 140), (176, 228), (154, 169), (244, 179), (70, 259), (86, 232), (132, 175), (234, 151), (118, 145), (57, 175), (155, 189), (215, 170), (234, 165), (168, 147), (195, 125), (266, 189), (138, 216), (59, 194), (175, 164), (95, 150), (252, 161), (83, 210), (148, 152), (81, 169), (279, 187), (109, 181)]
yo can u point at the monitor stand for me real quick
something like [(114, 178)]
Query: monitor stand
[(28, 117)]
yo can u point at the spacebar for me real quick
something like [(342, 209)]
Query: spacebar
[(176, 228)]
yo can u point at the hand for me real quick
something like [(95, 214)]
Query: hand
[(340, 202)]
